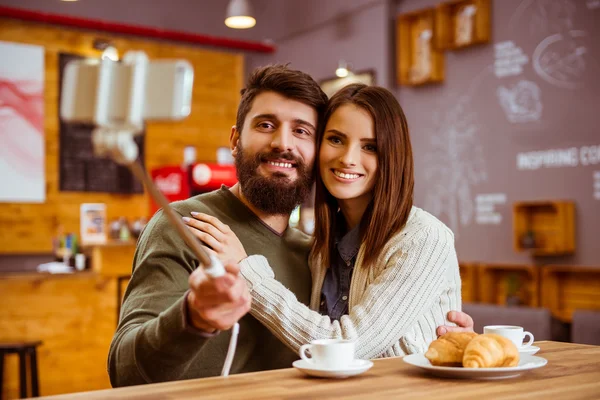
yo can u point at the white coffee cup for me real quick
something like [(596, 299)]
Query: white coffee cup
[(516, 334), (329, 353)]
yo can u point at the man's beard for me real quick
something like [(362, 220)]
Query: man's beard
[(277, 194)]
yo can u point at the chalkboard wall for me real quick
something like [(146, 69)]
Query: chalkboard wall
[(515, 120)]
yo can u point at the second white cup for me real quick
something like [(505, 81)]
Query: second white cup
[(516, 334), (329, 353)]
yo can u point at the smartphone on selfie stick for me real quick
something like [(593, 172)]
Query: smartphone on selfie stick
[(118, 97)]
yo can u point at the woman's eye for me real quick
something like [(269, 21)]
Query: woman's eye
[(371, 148), (334, 140)]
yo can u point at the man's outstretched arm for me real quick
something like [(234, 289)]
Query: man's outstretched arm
[(166, 318)]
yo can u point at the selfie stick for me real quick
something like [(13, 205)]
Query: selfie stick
[(116, 141)]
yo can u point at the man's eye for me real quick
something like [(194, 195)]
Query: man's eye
[(265, 125), (302, 131)]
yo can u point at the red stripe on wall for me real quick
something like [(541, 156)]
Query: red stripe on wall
[(135, 30)]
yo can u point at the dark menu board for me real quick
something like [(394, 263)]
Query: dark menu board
[(80, 170)]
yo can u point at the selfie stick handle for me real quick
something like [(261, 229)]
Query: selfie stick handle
[(116, 140)]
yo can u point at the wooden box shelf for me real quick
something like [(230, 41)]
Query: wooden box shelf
[(462, 23), (544, 227), (569, 288), (418, 60), (112, 259), (509, 284), (468, 277)]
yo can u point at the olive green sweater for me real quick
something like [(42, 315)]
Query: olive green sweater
[(154, 341)]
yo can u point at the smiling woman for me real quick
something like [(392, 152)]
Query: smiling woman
[(348, 160)]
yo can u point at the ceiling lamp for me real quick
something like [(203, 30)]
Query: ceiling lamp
[(342, 69), (239, 15)]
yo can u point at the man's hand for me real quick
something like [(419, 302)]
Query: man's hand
[(463, 320), (217, 304)]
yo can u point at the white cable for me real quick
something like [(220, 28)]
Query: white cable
[(231, 350), (215, 270)]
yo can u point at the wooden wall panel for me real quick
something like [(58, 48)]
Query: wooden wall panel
[(74, 316), (28, 228)]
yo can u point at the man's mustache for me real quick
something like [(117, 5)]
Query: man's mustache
[(263, 157)]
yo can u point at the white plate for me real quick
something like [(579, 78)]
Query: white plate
[(357, 367), (526, 363), (531, 350)]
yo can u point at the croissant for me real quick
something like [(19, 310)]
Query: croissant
[(489, 351), (448, 349)]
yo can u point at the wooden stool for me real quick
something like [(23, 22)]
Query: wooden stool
[(23, 349)]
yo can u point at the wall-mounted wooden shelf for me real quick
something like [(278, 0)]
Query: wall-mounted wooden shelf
[(545, 228), (462, 23), (112, 259), (495, 281), (419, 61), (469, 282), (569, 288)]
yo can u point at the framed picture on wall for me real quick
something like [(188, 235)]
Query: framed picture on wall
[(332, 85), (22, 135), (93, 223)]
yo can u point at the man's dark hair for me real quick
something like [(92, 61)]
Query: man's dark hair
[(290, 83)]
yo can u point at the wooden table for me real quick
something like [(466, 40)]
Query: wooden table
[(573, 372)]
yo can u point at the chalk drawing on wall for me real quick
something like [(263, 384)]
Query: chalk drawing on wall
[(560, 59), (597, 185), (521, 102), (588, 155), (454, 165), (545, 16), (485, 209), (593, 4), (509, 59), (551, 16)]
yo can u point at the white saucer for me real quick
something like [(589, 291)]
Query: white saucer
[(357, 367), (526, 363), (531, 350)]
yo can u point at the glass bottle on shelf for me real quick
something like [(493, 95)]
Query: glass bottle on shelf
[(463, 33), (421, 69)]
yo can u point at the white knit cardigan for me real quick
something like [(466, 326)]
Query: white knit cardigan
[(394, 307)]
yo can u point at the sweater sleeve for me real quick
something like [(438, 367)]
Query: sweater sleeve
[(404, 290), (154, 341)]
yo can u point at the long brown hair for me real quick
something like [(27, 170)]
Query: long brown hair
[(392, 199)]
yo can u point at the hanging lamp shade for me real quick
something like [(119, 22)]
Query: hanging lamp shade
[(239, 15)]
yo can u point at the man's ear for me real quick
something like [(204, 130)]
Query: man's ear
[(234, 137)]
